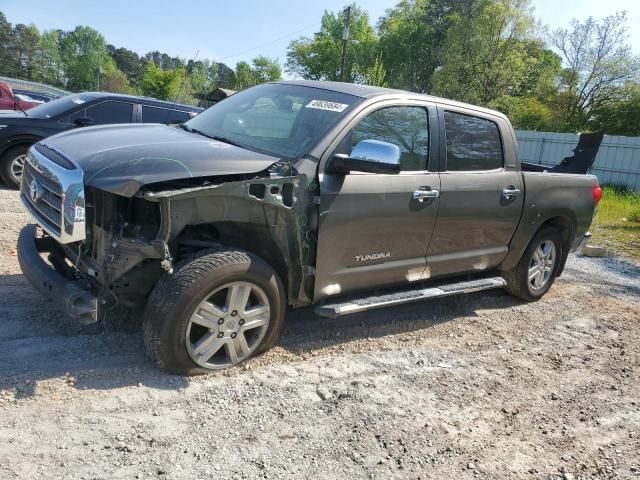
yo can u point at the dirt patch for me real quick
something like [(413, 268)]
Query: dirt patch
[(477, 386)]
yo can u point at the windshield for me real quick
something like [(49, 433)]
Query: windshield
[(59, 106), (284, 121)]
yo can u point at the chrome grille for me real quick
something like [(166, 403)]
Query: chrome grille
[(54, 196), (49, 205)]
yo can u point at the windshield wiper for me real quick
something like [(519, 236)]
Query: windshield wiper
[(212, 137), (225, 140)]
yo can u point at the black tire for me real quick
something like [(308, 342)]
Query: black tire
[(6, 163), (518, 283), (175, 297)]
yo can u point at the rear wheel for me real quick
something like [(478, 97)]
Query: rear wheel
[(215, 311), (536, 271), (12, 165)]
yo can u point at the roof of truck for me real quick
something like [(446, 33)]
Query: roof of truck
[(367, 91), (354, 89)]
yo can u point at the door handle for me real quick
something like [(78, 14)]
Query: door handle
[(420, 195), (510, 191)]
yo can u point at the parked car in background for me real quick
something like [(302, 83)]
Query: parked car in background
[(10, 101), (23, 97), (20, 130), (291, 194), (42, 97)]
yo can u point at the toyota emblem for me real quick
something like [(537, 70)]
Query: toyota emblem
[(35, 191)]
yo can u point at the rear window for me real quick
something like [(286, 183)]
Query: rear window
[(163, 115), (59, 106), (473, 143)]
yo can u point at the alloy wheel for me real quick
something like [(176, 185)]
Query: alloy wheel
[(228, 325), (542, 264), (17, 167)]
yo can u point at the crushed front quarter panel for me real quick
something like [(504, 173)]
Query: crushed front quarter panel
[(282, 207)]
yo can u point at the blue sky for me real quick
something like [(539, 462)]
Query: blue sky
[(231, 31)]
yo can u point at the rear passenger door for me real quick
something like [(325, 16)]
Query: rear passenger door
[(481, 193)]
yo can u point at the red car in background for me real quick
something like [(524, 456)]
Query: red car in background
[(10, 101)]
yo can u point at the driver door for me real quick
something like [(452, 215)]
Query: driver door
[(373, 231)]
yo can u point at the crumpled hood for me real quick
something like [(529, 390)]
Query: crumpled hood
[(122, 158)]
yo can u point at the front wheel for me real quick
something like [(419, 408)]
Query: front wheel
[(536, 271), (216, 310), (12, 165)]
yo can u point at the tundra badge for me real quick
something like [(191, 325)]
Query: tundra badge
[(373, 256)]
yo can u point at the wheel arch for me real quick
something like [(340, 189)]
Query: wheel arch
[(567, 227), (563, 220), (253, 238), (18, 141)]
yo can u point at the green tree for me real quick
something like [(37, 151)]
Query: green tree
[(598, 62), (540, 71), (7, 66), (202, 76), (318, 58), (113, 80), (161, 84), (244, 76), (525, 113), (164, 61), (412, 39), (377, 73), (265, 69), (262, 69), (49, 62), (128, 62), (83, 54), (486, 52), (226, 77), (622, 116), (26, 39)]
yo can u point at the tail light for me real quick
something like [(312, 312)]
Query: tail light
[(596, 193)]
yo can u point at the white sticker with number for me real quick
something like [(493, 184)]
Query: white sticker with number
[(326, 105)]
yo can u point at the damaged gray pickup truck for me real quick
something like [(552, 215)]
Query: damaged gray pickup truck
[(286, 195)]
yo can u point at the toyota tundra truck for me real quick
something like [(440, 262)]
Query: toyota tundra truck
[(285, 195)]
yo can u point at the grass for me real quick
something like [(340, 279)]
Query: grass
[(617, 222)]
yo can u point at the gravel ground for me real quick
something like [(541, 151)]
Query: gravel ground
[(478, 386)]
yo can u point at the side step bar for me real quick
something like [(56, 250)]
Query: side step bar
[(362, 304)]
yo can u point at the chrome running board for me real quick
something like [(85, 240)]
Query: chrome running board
[(362, 304)]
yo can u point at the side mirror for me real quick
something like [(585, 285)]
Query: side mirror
[(83, 122), (371, 156)]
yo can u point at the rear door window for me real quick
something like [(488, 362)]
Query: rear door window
[(177, 116), (473, 143), (108, 112), (163, 115)]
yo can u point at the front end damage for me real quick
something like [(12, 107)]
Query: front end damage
[(131, 242), (273, 217)]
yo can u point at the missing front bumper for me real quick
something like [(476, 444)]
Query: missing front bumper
[(70, 296)]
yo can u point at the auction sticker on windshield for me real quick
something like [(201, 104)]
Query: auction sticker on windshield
[(325, 105)]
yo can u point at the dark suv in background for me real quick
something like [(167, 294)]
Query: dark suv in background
[(20, 130)]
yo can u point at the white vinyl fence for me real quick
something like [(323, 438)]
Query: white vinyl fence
[(617, 162)]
